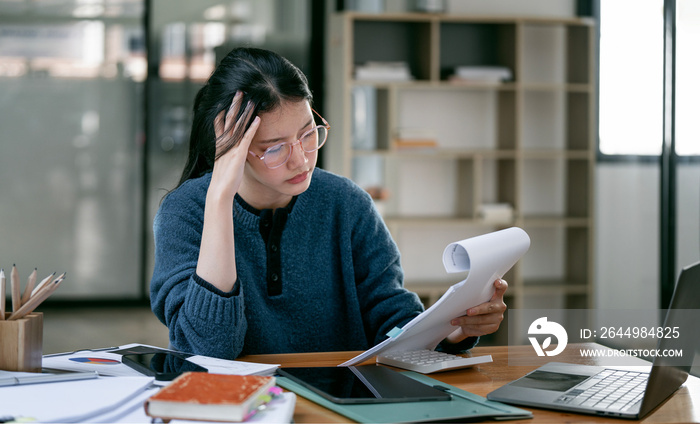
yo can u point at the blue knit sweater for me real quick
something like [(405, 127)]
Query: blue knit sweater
[(320, 275)]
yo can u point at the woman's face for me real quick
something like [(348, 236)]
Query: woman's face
[(265, 188)]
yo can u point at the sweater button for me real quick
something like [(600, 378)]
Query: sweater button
[(273, 247), (274, 277)]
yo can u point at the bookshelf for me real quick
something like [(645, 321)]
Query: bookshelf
[(524, 146)]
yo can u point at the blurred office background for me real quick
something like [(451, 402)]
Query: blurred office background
[(95, 99)]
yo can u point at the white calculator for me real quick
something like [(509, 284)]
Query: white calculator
[(426, 361)]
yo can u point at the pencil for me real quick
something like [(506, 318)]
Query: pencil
[(30, 286), (2, 294), (16, 294), (36, 300), (41, 285)]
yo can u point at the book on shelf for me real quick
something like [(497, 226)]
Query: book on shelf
[(211, 397), (415, 143), (496, 213), (383, 71), (480, 74), (415, 138)]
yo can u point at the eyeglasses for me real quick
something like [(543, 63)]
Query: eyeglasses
[(312, 140)]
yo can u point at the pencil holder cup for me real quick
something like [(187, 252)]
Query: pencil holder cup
[(21, 343)]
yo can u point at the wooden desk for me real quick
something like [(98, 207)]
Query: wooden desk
[(683, 406)]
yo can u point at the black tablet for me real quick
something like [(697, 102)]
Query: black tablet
[(363, 384), (164, 366)]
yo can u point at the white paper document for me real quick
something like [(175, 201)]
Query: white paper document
[(486, 258), (226, 366), (72, 401)]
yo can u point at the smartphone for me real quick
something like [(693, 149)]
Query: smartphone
[(164, 366), (363, 384)]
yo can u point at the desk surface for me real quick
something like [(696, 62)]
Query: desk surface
[(485, 378)]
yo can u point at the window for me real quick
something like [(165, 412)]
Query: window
[(631, 77)]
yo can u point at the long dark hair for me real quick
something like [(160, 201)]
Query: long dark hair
[(264, 77)]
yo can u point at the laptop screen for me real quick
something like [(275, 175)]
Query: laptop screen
[(668, 373)]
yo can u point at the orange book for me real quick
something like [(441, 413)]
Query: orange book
[(412, 143), (210, 397)]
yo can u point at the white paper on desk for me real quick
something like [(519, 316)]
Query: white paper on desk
[(71, 401), (225, 366), (132, 411), (487, 258), (80, 361)]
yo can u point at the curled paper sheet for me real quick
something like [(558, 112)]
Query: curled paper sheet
[(486, 258)]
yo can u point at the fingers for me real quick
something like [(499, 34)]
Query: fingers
[(501, 287), (229, 131), (224, 122), (248, 137)]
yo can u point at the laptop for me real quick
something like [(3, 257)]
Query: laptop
[(612, 391)]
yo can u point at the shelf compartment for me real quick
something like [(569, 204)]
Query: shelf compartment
[(429, 187), (556, 120), (423, 188), (544, 185), (496, 183), (458, 119), (394, 41), (562, 258), (579, 190), (552, 53), (543, 48), (578, 118), (579, 66), (476, 44), (556, 188), (543, 123)]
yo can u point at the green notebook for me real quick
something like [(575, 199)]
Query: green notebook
[(464, 406)]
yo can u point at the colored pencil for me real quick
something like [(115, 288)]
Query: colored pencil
[(2, 294), (15, 289), (29, 287)]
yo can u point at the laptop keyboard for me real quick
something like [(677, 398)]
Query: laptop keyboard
[(609, 389)]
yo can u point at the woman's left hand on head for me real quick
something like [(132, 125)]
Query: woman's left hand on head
[(481, 319)]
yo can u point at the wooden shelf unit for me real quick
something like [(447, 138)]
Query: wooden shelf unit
[(528, 142)]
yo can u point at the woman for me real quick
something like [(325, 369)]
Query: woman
[(257, 251)]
